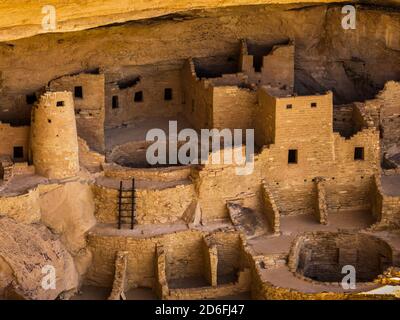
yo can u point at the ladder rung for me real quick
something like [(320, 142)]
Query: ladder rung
[(126, 207)]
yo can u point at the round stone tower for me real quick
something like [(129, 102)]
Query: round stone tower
[(54, 139)]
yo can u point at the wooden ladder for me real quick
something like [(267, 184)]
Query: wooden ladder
[(126, 205)]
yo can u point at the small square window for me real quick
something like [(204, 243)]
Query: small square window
[(31, 99), (60, 103), (168, 94), (313, 104), (115, 103), (289, 106), (18, 152), (359, 153), (138, 96), (292, 156), (78, 92)]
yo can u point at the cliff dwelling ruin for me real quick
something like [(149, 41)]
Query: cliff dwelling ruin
[(78, 193)]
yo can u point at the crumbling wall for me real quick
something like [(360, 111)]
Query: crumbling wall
[(152, 84), (89, 109), (271, 209), (89, 159), (198, 97), (343, 119), (277, 68), (385, 208)]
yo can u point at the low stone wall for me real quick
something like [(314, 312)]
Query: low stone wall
[(91, 160), (118, 288), (321, 208), (385, 208), (210, 261), (241, 286), (183, 257), (271, 209), (152, 174), (23, 208)]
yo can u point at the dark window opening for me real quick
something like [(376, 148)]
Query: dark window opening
[(359, 153), (138, 96), (289, 106), (313, 104), (78, 92), (31, 99), (292, 156), (60, 104), (49, 120), (257, 63), (18, 152), (115, 103), (168, 94)]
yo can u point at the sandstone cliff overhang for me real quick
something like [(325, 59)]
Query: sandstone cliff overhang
[(20, 19)]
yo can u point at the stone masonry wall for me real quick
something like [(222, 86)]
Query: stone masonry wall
[(152, 84), (152, 205), (198, 97), (89, 109), (54, 140), (11, 137), (236, 102)]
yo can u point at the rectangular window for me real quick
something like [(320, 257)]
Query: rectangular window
[(313, 104), (30, 99), (168, 94), (138, 96), (359, 153), (292, 156), (60, 103), (289, 106), (78, 92), (115, 103), (18, 152)]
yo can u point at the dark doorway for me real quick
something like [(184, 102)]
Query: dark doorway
[(18, 153)]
